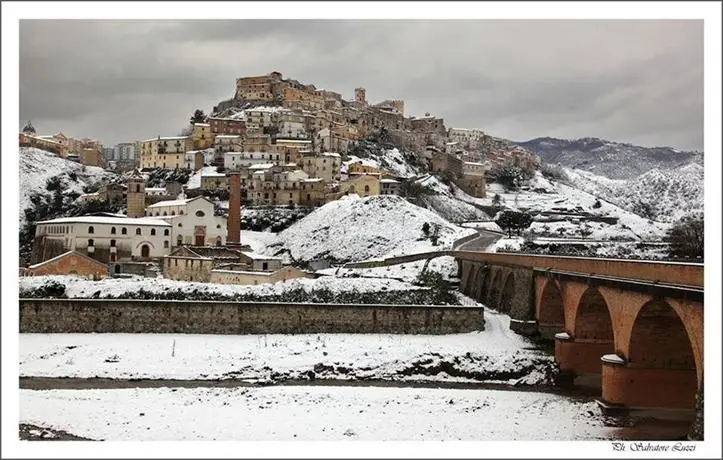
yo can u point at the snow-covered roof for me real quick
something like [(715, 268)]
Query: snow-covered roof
[(161, 204), (227, 136), (389, 181), (473, 163), (262, 166), (254, 256), (330, 154), (65, 254), (315, 179), (303, 141), (212, 174), (155, 189), (107, 220), (172, 138), (201, 124)]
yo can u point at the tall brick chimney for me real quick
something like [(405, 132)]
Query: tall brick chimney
[(233, 229)]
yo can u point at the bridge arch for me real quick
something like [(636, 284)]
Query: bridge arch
[(477, 292), (507, 293), (550, 310), (593, 319), (493, 293), (659, 339), (469, 282)]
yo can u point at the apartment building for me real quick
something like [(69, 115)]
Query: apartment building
[(165, 152)]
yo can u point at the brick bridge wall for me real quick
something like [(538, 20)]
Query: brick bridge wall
[(191, 317)]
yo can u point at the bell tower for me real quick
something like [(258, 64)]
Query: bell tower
[(136, 195)]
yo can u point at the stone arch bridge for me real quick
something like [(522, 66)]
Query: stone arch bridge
[(638, 325)]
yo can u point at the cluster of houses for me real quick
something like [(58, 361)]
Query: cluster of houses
[(183, 236), (291, 146)]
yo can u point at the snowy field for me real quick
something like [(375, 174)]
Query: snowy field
[(494, 355), (408, 272), (312, 414)]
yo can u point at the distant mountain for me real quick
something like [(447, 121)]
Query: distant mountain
[(610, 159)]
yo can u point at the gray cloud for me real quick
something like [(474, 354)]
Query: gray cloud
[(631, 81)]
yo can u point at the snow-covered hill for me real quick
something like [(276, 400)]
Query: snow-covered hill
[(356, 229), (661, 195), (607, 158), (37, 167)]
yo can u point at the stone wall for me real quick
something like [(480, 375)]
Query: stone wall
[(191, 317)]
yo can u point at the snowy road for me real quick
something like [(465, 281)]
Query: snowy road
[(481, 243)]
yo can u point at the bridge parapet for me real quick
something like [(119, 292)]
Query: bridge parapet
[(676, 273)]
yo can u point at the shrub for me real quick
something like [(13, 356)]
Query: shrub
[(686, 238), (513, 221)]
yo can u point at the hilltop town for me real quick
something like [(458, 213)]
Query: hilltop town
[(279, 143)]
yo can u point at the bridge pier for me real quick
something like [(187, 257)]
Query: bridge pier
[(580, 357), (633, 387)]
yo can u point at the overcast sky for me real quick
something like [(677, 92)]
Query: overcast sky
[(629, 81)]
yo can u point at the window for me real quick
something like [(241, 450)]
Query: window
[(180, 225), (112, 243), (112, 230), (138, 231), (173, 213), (200, 213), (181, 213), (165, 213), (265, 266), (124, 231), (166, 232), (90, 243), (166, 244), (91, 229), (366, 188), (138, 187), (218, 226), (153, 232), (112, 257)]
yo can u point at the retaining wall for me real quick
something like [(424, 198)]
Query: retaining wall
[(213, 317)]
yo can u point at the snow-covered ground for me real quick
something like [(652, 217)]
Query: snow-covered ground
[(37, 166), (355, 229), (667, 195), (493, 355), (312, 414), (408, 272), (195, 180), (559, 197), (76, 287)]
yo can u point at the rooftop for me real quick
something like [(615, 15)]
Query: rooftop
[(161, 204), (107, 220), (172, 138)]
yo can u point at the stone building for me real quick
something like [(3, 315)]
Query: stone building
[(104, 238), (193, 221), (202, 136), (227, 126), (390, 187), (70, 263), (221, 276), (136, 194), (326, 166)]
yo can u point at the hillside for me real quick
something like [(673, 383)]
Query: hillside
[(607, 158), (353, 229), (50, 181), (661, 195)]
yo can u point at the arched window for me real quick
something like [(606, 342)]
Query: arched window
[(91, 229), (200, 213), (138, 231), (165, 213), (90, 243), (112, 243), (124, 231), (366, 188), (112, 230), (173, 213), (166, 232), (181, 212), (153, 232)]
